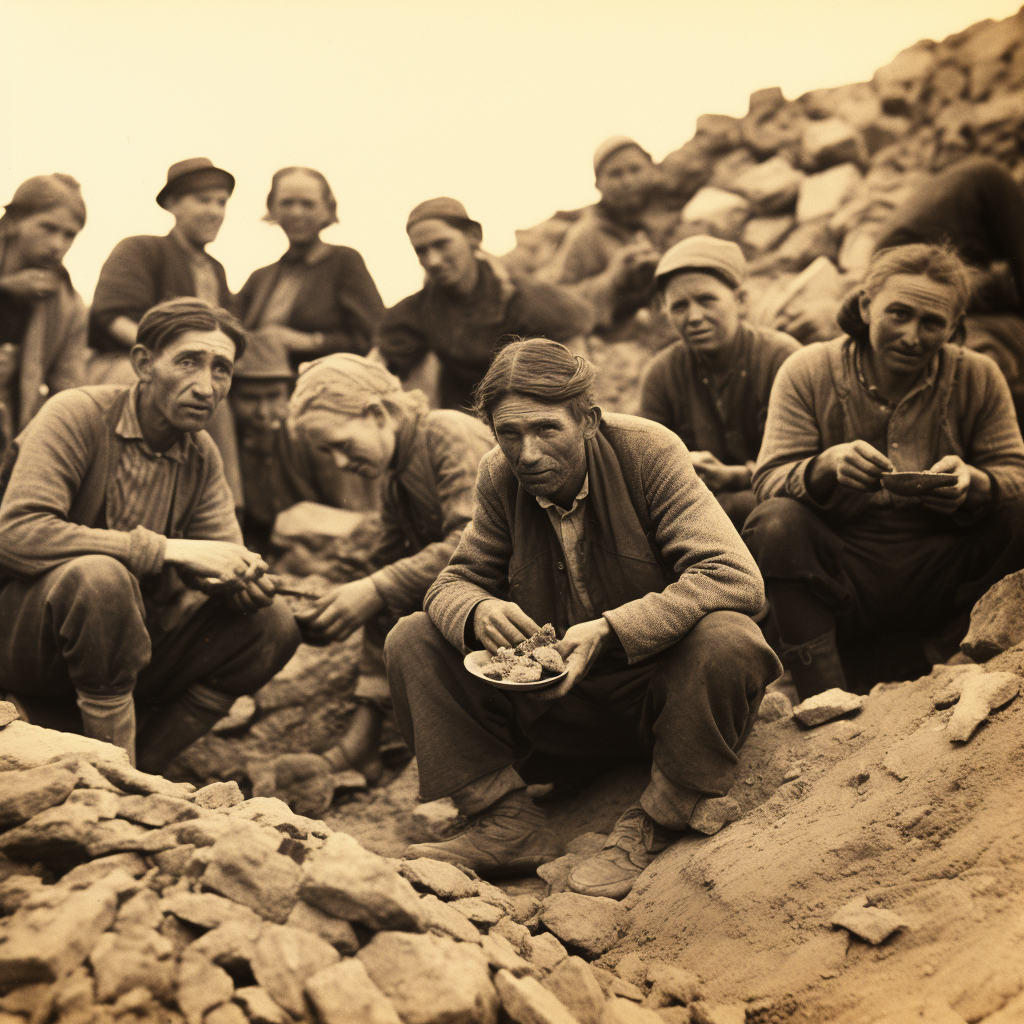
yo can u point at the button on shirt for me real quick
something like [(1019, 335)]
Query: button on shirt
[(569, 529), (142, 488)]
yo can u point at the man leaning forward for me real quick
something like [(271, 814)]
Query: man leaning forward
[(598, 525)]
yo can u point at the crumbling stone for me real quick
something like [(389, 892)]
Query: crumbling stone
[(770, 187), (104, 802), (622, 1011), (138, 956), (718, 1013), (763, 233), (821, 195), (28, 746), (997, 620), (207, 910), (712, 815), (717, 212), (590, 924), (8, 713), (219, 796), (202, 985), (479, 911), (672, 984), (231, 945), (545, 951), (437, 876), (517, 934), (443, 919), (502, 955), (333, 930), (256, 876), (344, 994), (430, 979), (128, 864), (285, 958), (573, 982), (26, 793), (174, 861), (241, 713), (872, 924), (156, 809), (823, 707), (139, 911), (981, 693), (226, 1013), (259, 1006), (774, 706), (131, 780), (17, 890), (349, 882), (613, 985), (526, 1001), (278, 815), (632, 968), (829, 142), (435, 816)]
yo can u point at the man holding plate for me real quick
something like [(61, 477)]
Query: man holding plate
[(598, 525)]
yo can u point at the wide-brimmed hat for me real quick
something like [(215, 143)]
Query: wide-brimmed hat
[(263, 360), (192, 175), (702, 252), (442, 208)]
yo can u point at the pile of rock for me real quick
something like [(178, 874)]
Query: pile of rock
[(810, 181), (126, 897)]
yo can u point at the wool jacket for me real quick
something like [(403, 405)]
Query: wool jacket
[(659, 552), (676, 391), (54, 481), (962, 407), (465, 332), (429, 501), (337, 298), (140, 272)]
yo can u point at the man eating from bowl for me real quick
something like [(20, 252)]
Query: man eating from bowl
[(598, 525)]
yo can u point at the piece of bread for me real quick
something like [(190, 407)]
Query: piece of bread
[(545, 637), (549, 658)]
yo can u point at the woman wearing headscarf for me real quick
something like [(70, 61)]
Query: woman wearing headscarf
[(42, 317), (317, 298), (352, 411)]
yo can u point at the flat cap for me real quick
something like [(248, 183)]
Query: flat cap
[(613, 145), (263, 360), (702, 252), (442, 208)]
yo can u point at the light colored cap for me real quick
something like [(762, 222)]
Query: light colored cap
[(613, 145), (263, 360), (702, 252)]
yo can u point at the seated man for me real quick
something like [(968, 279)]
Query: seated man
[(42, 317), (468, 304), (607, 256), (712, 386), (841, 544), (122, 570), (597, 525)]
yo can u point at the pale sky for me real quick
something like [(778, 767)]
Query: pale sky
[(397, 101)]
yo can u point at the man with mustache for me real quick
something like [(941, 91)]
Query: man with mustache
[(598, 525), (125, 588)]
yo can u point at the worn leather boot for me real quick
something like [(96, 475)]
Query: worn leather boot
[(359, 748), (814, 665), (510, 838), (631, 847), (172, 728)]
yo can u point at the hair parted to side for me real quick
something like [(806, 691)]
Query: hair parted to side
[(939, 263), (325, 192), (41, 193), (169, 320), (540, 369)]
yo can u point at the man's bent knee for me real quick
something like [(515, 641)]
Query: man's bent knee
[(406, 639), (100, 582)]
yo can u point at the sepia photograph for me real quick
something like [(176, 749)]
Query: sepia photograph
[(512, 513)]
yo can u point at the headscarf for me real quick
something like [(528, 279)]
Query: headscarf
[(348, 385)]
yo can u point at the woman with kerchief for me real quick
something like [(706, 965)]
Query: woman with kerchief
[(42, 317), (838, 545), (317, 298), (354, 412)]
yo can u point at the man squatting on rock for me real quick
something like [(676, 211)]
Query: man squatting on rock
[(599, 525), (124, 584)]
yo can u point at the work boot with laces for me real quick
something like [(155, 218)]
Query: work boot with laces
[(633, 844), (510, 838)]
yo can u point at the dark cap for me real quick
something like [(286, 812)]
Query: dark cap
[(442, 208), (263, 360), (193, 175)]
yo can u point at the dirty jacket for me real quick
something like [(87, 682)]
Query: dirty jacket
[(659, 552), (962, 407)]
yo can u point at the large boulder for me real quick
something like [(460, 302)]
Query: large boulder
[(997, 620)]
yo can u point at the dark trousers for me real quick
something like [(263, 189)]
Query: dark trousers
[(690, 708), (82, 628)]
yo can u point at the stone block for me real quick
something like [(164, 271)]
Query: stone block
[(436, 876), (763, 233), (28, 746), (556, 872), (830, 142), (490, 893), (717, 212), (226, 1013), (122, 961), (517, 934), (207, 910), (503, 956), (589, 924), (545, 951), (242, 712), (176, 860), (259, 1006), (285, 958), (140, 911), (256, 876), (479, 911), (901, 82), (156, 809), (349, 882), (45, 943), (231, 945), (858, 247), (774, 706), (872, 924), (804, 244), (673, 984), (719, 133), (686, 169), (26, 793), (718, 1013), (434, 816), (202, 985), (997, 619), (344, 994), (443, 919), (332, 930), (131, 780), (102, 801), (430, 980), (712, 815), (8, 713), (770, 187), (981, 693), (219, 796), (823, 707), (855, 104), (573, 982), (822, 194), (776, 133), (130, 864), (623, 1011), (59, 836), (632, 968), (526, 1001), (19, 889), (276, 814)]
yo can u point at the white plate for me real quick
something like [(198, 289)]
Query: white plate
[(476, 660)]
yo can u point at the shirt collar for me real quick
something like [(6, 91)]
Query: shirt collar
[(579, 499), (194, 254), (129, 428), (316, 253)]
